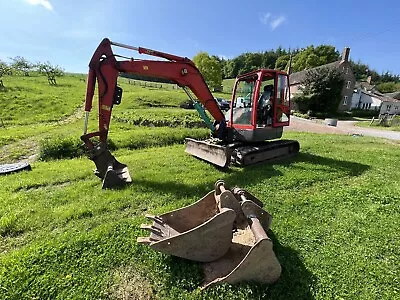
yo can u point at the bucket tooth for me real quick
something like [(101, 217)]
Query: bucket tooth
[(154, 218), (152, 229), (144, 240)]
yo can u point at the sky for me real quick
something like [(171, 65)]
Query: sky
[(66, 32)]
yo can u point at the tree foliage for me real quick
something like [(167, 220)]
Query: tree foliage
[(4, 70), (21, 64), (51, 71), (388, 87), (321, 91), (210, 68)]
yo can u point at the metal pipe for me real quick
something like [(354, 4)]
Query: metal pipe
[(85, 125), (257, 229), (125, 46)]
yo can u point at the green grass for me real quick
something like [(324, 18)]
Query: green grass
[(28, 100), (368, 124), (228, 85), (335, 208)]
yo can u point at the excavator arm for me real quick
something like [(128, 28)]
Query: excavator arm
[(104, 69)]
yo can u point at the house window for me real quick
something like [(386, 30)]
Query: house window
[(347, 70), (345, 100), (348, 84)]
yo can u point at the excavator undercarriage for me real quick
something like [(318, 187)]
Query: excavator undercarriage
[(241, 154)]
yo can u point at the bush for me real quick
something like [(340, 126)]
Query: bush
[(364, 113), (60, 147)]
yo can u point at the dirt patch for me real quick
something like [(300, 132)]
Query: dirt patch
[(130, 284), (25, 150)]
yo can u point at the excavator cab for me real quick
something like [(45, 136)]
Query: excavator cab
[(260, 106)]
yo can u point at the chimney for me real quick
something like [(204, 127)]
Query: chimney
[(346, 53), (369, 78)]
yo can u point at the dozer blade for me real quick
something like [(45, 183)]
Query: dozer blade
[(112, 172), (204, 232), (209, 151)]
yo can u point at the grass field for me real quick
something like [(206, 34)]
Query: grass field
[(335, 208), (368, 124)]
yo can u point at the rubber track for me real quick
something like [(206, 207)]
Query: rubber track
[(264, 152)]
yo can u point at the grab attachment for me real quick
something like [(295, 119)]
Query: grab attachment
[(109, 169), (225, 230)]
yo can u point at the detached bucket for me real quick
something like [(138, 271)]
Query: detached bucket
[(251, 256), (112, 172), (200, 232), (225, 230)]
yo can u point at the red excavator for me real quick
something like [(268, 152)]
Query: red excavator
[(260, 108)]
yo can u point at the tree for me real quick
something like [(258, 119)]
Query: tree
[(4, 70), (388, 87), (311, 57), (210, 68), (47, 69), (321, 91), (282, 62), (21, 64)]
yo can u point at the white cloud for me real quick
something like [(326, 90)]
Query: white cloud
[(45, 3), (277, 22), (272, 21), (265, 18)]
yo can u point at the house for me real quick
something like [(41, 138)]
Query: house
[(343, 65), (395, 95), (362, 99), (390, 106), (366, 97)]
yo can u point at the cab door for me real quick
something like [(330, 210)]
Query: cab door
[(282, 101)]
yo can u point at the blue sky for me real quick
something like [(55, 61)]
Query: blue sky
[(67, 32)]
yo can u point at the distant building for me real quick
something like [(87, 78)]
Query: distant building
[(391, 107), (395, 95), (367, 98), (343, 66)]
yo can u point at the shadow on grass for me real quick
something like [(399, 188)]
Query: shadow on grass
[(348, 167), (239, 177), (295, 281), (251, 174)]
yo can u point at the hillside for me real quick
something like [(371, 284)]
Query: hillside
[(335, 206)]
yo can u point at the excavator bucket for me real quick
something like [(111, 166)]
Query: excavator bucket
[(109, 169), (200, 232), (225, 230)]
